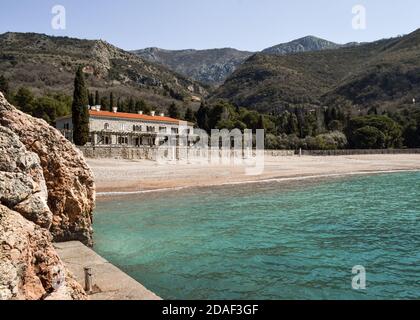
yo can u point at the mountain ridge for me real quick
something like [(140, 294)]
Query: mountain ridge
[(48, 63), (385, 73), (304, 44), (213, 66), (209, 66)]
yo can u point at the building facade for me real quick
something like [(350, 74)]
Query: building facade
[(127, 129)]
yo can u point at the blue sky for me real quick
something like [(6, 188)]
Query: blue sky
[(200, 24)]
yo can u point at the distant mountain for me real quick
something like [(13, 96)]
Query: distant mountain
[(383, 73), (46, 63), (210, 67), (306, 44)]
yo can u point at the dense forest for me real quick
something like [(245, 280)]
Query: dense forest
[(325, 128)]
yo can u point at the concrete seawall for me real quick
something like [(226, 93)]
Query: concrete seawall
[(109, 282)]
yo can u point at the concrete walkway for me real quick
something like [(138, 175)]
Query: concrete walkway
[(110, 283)]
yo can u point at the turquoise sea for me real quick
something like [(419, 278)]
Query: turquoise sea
[(270, 240)]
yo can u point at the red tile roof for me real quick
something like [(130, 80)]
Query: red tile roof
[(133, 116)]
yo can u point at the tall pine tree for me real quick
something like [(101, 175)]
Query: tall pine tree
[(80, 112)]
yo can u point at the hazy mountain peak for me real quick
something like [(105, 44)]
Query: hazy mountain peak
[(304, 44), (210, 66)]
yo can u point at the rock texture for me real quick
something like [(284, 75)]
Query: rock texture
[(210, 67), (46, 193), (22, 184), (68, 180), (29, 266)]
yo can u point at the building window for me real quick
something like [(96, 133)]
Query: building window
[(66, 126), (122, 126), (162, 129), (174, 130), (150, 129), (122, 140), (106, 126)]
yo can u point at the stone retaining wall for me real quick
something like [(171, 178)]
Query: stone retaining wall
[(358, 152), (150, 153), (129, 153)]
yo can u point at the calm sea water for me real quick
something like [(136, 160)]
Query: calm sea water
[(270, 241)]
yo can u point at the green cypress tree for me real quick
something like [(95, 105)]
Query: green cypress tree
[(140, 104), (131, 105), (111, 101), (261, 124), (202, 116), (80, 112), (97, 98), (91, 99), (189, 115), (173, 111), (104, 103)]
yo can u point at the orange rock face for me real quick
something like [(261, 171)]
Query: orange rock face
[(29, 266), (69, 180), (46, 193)]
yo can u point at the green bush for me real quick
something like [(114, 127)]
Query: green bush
[(330, 141), (369, 138), (388, 133)]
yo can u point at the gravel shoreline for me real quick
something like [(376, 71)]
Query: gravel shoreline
[(124, 176)]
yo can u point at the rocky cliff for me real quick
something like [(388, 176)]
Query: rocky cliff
[(68, 179), (46, 193), (210, 67)]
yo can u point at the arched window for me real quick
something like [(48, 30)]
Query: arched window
[(106, 126)]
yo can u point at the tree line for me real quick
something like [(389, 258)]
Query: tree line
[(319, 128), (51, 106), (330, 127)]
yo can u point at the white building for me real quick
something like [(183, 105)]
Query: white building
[(128, 129)]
